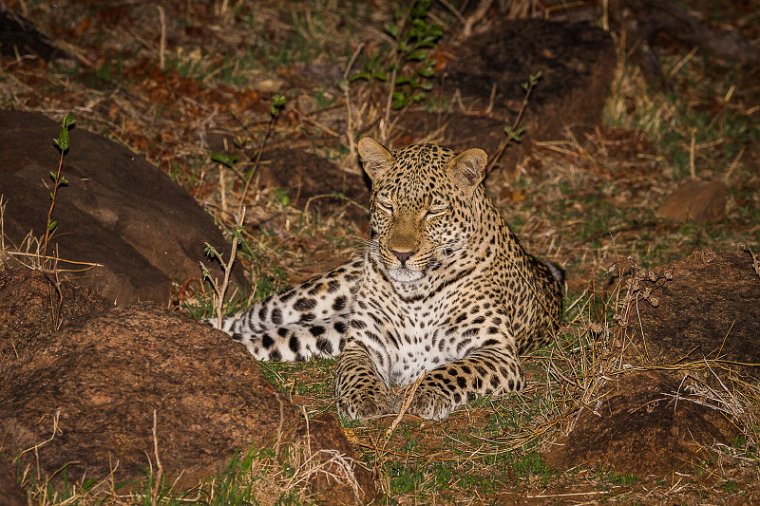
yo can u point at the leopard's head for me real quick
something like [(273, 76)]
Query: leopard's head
[(425, 206)]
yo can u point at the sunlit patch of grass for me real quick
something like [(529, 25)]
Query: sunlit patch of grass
[(311, 378)]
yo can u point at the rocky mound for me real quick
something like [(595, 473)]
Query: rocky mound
[(645, 424), (117, 210), (86, 397), (692, 331), (484, 85), (706, 306)]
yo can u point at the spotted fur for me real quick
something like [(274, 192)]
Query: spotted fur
[(444, 299)]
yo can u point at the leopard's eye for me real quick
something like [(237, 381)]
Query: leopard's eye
[(435, 211), (385, 206)]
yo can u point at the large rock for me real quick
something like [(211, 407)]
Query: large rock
[(704, 307), (576, 62), (646, 424), (315, 184), (11, 494), (117, 210), (692, 326), (87, 395), (699, 201)]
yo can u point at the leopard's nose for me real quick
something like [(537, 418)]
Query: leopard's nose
[(402, 256)]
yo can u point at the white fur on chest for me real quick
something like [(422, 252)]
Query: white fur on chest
[(423, 345)]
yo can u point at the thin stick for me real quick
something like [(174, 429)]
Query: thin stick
[(56, 185), (162, 41), (347, 98), (476, 17), (454, 11), (267, 134), (405, 406), (228, 266), (160, 473), (693, 154), (515, 125), (384, 132), (568, 494), (734, 164), (682, 62)]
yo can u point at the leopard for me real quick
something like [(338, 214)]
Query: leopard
[(436, 310)]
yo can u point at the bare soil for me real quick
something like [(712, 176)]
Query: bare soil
[(120, 392), (650, 394)]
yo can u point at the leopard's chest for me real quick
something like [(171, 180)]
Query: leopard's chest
[(418, 342)]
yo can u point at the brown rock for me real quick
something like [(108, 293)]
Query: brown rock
[(117, 210), (335, 485), (31, 306), (11, 494), (315, 184), (102, 381), (695, 201), (705, 306), (99, 383), (645, 425), (576, 62)]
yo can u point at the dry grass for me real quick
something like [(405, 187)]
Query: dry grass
[(258, 477), (587, 203)]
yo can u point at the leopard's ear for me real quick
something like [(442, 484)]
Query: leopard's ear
[(468, 168), (375, 157)]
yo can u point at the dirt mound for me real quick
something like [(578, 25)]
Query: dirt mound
[(706, 306), (576, 62), (645, 425), (31, 305), (315, 184), (697, 201), (117, 210), (10, 493), (700, 318), (87, 395)]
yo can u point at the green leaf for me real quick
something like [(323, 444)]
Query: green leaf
[(399, 100), (361, 75), (62, 141), (277, 105), (63, 181), (210, 251), (52, 225), (282, 196), (391, 29), (426, 71), (68, 120), (402, 80), (226, 159), (53, 176), (418, 55), (421, 8), (514, 135)]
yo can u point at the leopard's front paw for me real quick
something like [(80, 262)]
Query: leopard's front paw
[(363, 404), (431, 403)]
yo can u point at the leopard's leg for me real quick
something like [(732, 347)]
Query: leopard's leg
[(319, 298), (298, 341), (487, 370), (359, 390)]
